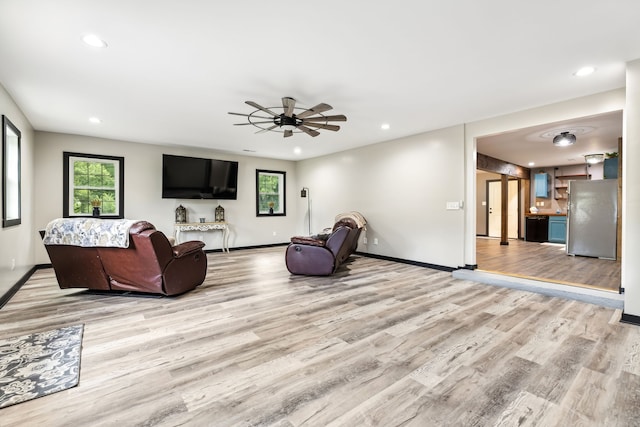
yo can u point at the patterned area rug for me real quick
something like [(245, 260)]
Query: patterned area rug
[(39, 364)]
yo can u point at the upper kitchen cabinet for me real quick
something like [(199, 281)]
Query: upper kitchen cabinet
[(541, 182), (611, 168)]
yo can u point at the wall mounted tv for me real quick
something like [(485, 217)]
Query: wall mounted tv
[(197, 178)]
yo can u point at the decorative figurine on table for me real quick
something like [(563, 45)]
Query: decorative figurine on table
[(181, 214), (219, 214)]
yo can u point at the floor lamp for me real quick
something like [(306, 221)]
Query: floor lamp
[(304, 193)]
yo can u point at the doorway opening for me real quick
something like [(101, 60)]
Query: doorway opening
[(546, 260)]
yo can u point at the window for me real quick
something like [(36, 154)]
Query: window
[(90, 181), (270, 193)]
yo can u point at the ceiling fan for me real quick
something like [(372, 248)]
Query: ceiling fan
[(289, 122)]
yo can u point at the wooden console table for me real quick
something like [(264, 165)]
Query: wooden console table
[(203, 226)]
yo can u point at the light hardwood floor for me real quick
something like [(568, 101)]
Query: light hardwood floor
[(546, 262), (379, 343)]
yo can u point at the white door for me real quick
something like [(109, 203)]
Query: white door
[(495, 207)]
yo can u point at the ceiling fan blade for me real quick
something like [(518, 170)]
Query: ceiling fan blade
[(267, 129), (288, 133), (252, 123), (336, 118), (288, 104), (260, 107), (322, 126), (314, 110), (308, 131), (250, 115)]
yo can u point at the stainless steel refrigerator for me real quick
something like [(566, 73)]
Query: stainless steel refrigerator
[(592, 215)]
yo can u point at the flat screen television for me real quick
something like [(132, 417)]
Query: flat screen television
[(198, 178)]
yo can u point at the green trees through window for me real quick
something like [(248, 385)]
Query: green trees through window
[(94, 184)]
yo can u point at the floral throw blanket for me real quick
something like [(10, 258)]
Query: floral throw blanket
[(89, 232)]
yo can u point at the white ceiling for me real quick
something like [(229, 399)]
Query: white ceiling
[(174, 69), (594, 135)]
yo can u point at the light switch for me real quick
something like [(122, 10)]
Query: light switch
[(452, 206)]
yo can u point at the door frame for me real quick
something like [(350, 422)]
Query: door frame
[(518, 207)]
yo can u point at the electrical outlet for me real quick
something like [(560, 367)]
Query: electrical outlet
[(364, 240), (274, 233), (13, 263), (375, 241)]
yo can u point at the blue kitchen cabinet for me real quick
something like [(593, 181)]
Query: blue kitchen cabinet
[(610, 168), (558, 229), (541, 182)]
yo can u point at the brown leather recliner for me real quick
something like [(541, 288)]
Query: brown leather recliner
[(150, 264), (322, 255)]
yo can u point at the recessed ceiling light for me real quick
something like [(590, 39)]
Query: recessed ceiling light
[(95, 120), (385, 126), (584, 71), (532, 164), (93, 40), (297, 150)]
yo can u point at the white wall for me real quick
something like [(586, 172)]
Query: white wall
[(630, 193), (16, 242), (143, 179), (401, 187)]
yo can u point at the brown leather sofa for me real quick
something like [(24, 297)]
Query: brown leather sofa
[(149, 264), (321, 255)]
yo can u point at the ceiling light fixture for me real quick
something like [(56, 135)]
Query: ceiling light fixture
[(584, 71), (95, 120), (385, 126), (93, 40), (564, 139), (592, 159)]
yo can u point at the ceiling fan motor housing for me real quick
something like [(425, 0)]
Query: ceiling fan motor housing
[(287, 121)]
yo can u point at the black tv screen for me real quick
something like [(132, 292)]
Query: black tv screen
[(198, 178)]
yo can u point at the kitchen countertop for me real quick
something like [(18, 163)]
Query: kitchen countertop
[(545, 214)]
